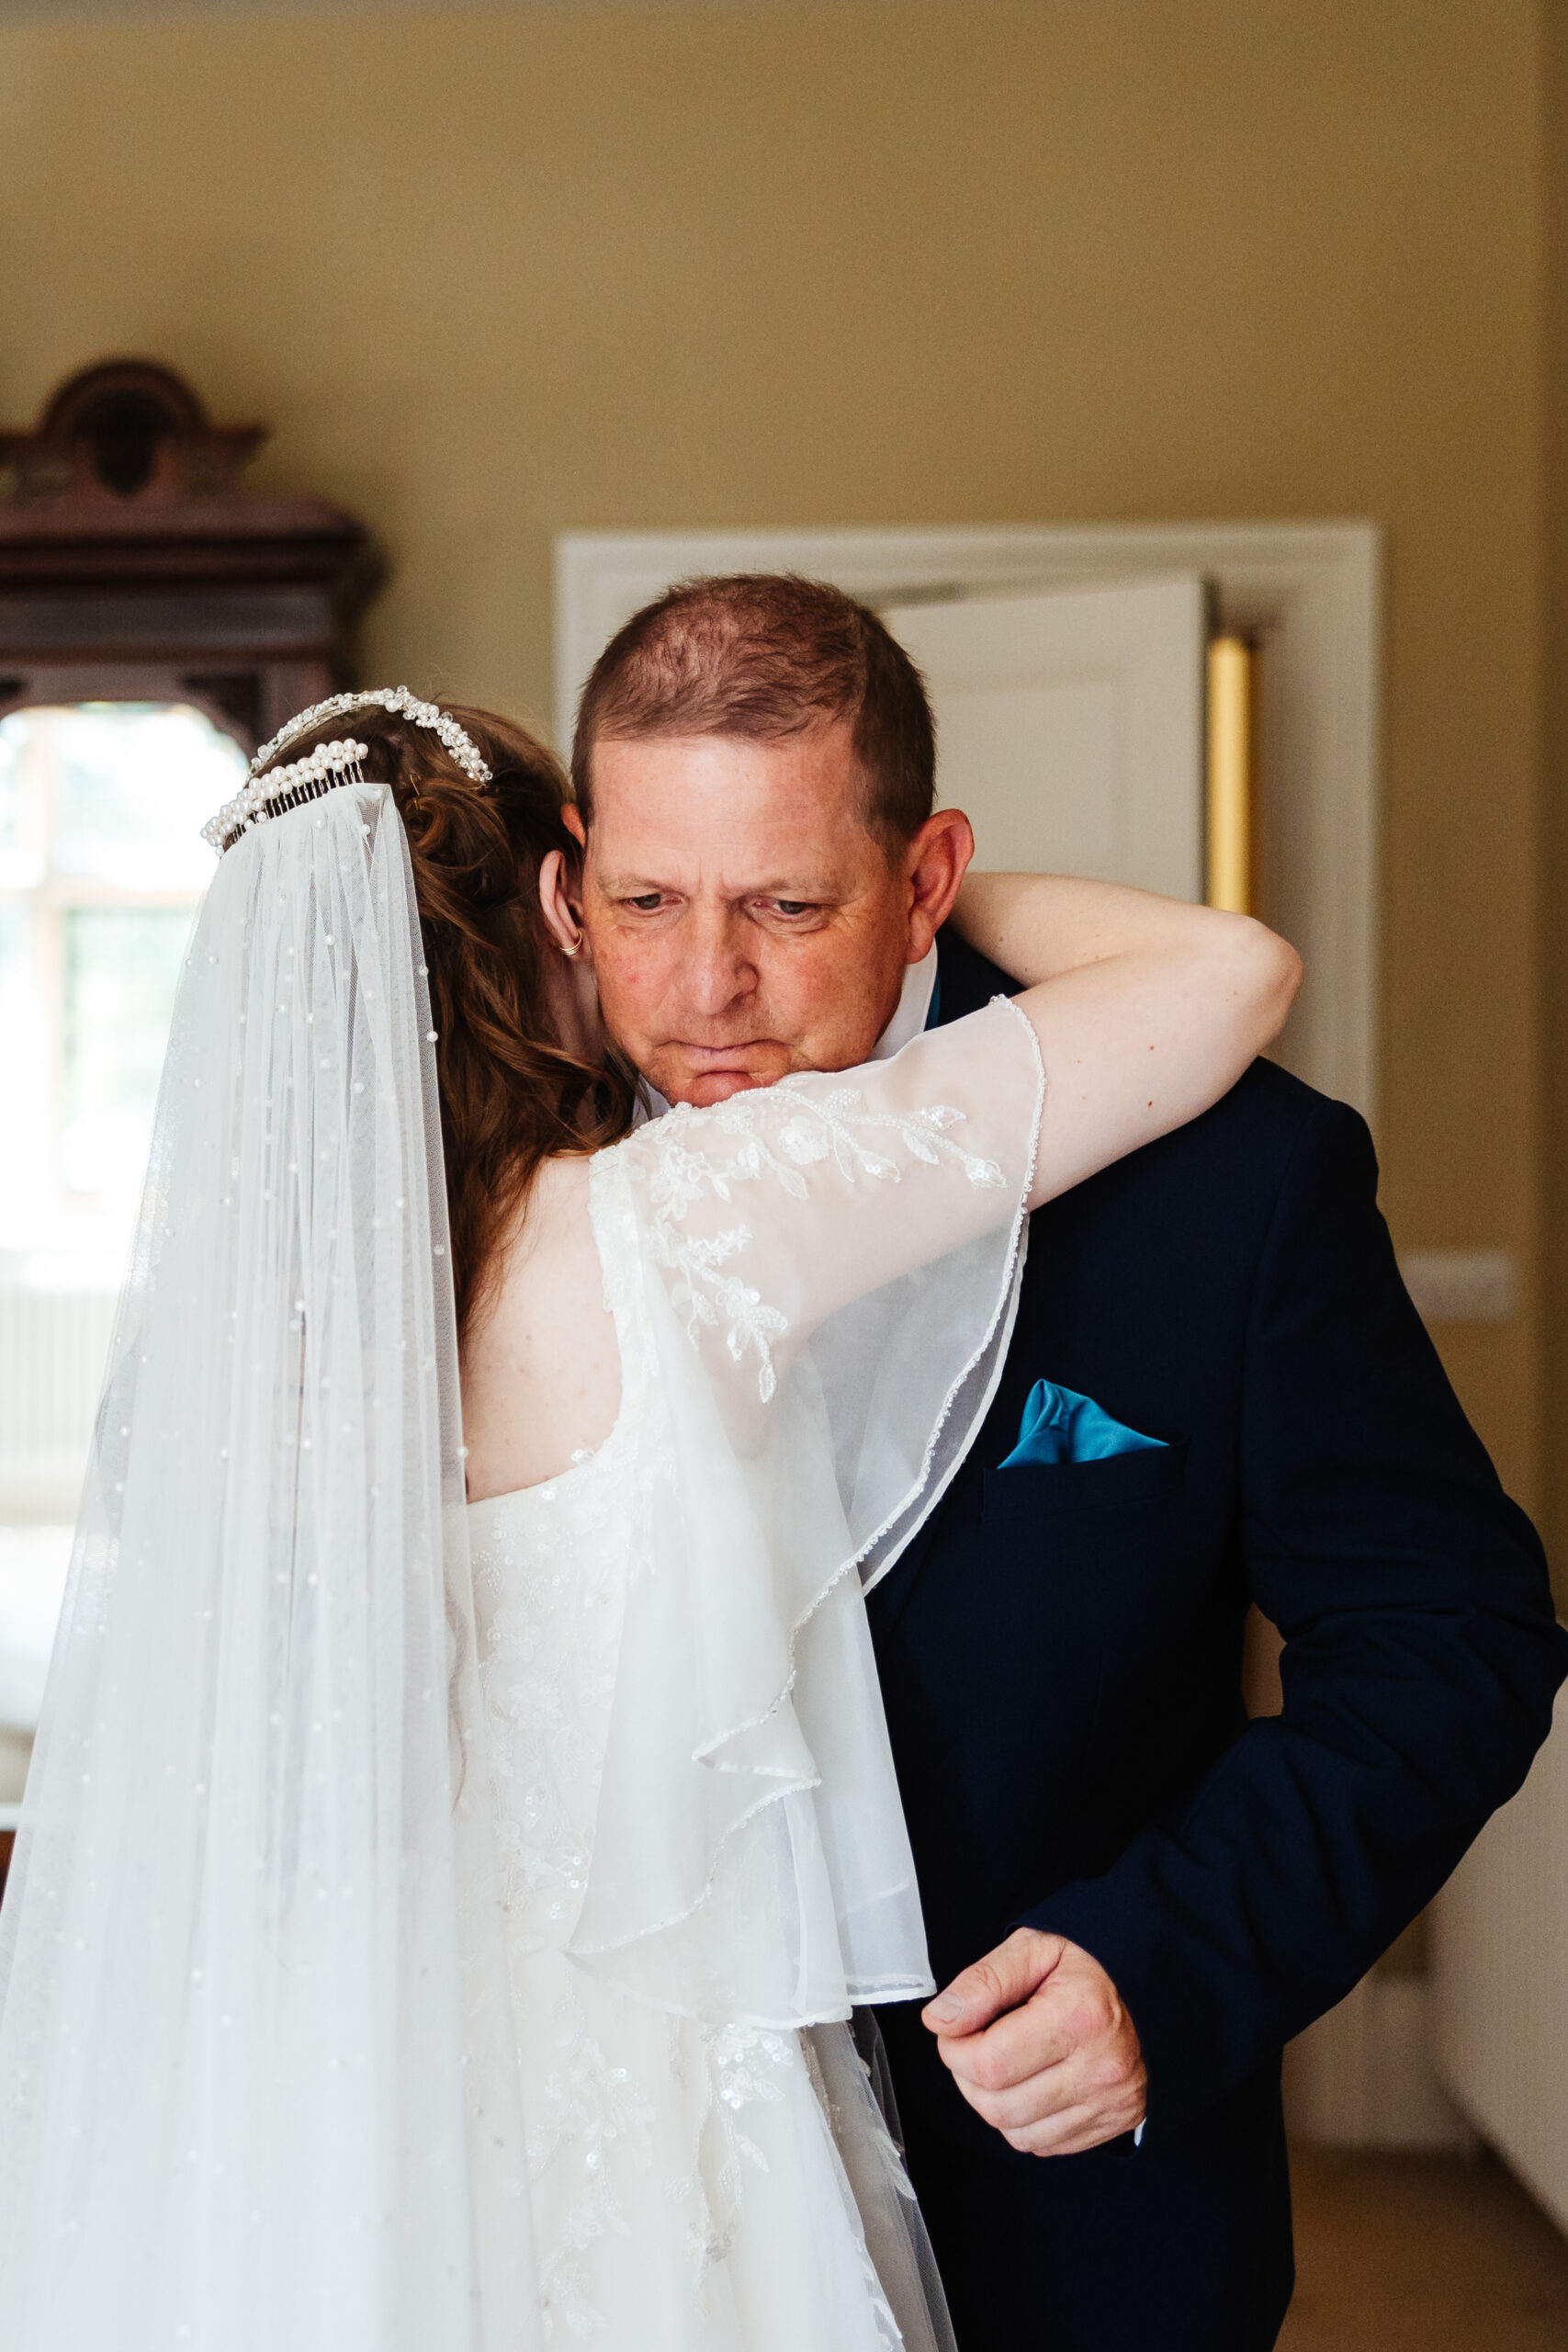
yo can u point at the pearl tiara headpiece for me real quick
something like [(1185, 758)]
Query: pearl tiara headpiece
[(331, 764), (320, 771)]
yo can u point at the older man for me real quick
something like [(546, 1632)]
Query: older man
[(1217, 1392)]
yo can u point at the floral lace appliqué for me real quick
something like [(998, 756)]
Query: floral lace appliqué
[(594, 2124), (777, 1131), (744, 2064)]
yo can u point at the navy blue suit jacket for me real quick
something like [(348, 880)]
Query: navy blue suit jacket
[(1061, 1658)]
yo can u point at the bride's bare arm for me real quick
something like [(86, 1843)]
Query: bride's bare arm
[(1148, 1010)]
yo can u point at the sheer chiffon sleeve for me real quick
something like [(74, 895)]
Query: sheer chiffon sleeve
[(859, 1232), (813, 1287)]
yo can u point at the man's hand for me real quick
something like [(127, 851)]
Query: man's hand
[(1037, 2040)]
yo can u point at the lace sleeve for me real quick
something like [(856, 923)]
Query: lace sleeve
[(844, 1249), (770, 1213)]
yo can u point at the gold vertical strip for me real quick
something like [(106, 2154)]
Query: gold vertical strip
[(1231, 884), (1230, 780)]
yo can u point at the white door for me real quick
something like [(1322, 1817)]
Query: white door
[(1070, 725)]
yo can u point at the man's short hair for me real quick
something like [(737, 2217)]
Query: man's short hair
[(767, 655)]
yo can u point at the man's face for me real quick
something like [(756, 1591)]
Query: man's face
[(743, 922)]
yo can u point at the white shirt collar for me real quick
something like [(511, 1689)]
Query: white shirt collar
[(913, 1009), (910, 1015)]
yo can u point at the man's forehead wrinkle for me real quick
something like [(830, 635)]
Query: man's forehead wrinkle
[(715, 822), (817, 888), (715, 867)]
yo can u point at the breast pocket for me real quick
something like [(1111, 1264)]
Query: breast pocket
[(1019, 1500), (1091, 1570)]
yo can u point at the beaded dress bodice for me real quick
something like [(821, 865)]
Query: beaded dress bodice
[(550, 1565), (677, 2168)]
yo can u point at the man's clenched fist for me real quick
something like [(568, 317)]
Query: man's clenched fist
[(1037, 2040)]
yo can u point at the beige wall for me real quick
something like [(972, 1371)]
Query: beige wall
[(492, 275)]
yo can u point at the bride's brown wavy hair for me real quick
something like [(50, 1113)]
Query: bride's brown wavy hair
[(511, 1094)]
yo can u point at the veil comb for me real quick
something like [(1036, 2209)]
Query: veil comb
[(330, 764)]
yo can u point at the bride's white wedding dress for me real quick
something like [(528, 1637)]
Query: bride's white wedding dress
[(693, 2125), (686, 2188)]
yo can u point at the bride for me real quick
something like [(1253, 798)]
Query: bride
[(444, 1883)]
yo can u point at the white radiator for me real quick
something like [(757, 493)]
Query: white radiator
[(53, 1345), (1502, 1979)]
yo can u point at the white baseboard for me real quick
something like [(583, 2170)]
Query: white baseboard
[(1365, 2077)]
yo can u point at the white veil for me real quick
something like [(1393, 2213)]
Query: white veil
[(257, 1781)]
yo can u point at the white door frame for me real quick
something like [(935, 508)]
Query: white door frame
[(1309, 593)]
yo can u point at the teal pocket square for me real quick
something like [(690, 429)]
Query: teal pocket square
[(1059, 1425)]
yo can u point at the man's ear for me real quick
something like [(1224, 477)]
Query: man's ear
[(935, 862), (562, 902), (571, 817)]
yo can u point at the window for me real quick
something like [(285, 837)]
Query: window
[(102, 864)]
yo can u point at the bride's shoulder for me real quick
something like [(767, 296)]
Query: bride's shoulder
[(541, 1374), (560, 1183), (552, 1211)]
